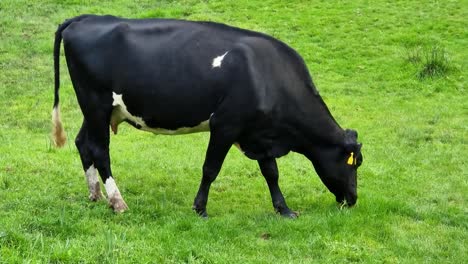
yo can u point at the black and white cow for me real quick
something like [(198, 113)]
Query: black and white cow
[(176, 77)]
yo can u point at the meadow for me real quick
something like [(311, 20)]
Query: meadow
[(393, 70)]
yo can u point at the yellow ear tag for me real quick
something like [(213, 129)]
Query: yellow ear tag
[(351, 159)]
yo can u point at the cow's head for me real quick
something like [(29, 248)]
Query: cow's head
[(337, 167)]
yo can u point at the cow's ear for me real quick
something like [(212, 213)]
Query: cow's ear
[(359, 158), (350, 141), (355, 157), (351, 147)]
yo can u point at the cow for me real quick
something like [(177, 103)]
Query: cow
[(172, 77)]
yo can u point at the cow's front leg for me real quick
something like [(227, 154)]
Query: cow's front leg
[(217, 149), (270, 172)]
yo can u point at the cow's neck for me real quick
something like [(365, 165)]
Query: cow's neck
[(318, 125)]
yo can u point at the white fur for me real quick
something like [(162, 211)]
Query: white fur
[(202, 127), (58, 134), (93, 183), (91, 176), (120, 113), (113, 194), (219, 60), (111, 188)]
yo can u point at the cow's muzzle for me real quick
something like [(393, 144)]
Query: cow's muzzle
[(348, 200)]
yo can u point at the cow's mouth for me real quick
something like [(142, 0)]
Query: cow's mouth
[(348, 200)]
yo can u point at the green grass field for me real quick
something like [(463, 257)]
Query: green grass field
[(393, 70)]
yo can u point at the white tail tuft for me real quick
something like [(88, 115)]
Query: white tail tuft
[(58, 134)]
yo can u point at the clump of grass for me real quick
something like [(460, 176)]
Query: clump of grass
[(435, 63), (431, 62)]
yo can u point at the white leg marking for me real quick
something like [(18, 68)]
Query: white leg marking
[(93, 184), (111, 187), (115, 199), (218, 60)]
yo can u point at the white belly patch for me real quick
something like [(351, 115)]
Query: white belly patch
[(120, 114)]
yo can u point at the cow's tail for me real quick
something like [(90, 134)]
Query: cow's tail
[(58, 133)]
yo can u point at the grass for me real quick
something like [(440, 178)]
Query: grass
[(431, 62), (412, 205)]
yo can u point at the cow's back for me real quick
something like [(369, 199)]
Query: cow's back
[(168, 73)]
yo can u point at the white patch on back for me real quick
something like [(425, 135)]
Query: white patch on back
[(120, 113), (218, 60)]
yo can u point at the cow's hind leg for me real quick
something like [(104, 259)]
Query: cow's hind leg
[(99, 148), (83, 146), (218, 147), (270, 172), (97, 120), (94, 138)]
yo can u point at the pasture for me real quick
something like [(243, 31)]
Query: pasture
[(393, 70)]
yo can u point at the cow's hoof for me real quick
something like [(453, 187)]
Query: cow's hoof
[(289, 214), (118, 205), (201, 212), (95, 192), (94, 197)]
